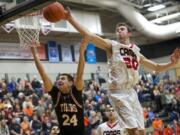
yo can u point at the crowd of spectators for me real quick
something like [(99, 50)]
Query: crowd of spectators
[(26, 110)]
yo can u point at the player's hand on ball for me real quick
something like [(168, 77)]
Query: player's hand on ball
[(67, 14)]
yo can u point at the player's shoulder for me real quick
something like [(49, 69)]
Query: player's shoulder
[(102, 125), (135, 46), (116, 43)]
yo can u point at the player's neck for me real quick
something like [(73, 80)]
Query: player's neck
[(124, 41), (112, 121), (67, 91)]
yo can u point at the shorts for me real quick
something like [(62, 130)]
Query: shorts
[(128, 107)]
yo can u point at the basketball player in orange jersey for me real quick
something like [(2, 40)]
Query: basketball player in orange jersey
[(124, 59), (67, 95), (110, 127)]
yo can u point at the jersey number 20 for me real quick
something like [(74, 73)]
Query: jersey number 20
[(69, 120)]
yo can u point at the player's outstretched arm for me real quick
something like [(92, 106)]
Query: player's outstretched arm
[(97, 40), (159, 67), (47, 82), (79, 82)]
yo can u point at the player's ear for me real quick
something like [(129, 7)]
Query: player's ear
[(71, 83)]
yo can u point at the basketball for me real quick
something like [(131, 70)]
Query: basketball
[(54, 12)]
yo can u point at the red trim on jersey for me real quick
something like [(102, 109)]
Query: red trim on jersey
[(111, 125), (131, 46)]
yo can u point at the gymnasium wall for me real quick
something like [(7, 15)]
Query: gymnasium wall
[(21, 68)]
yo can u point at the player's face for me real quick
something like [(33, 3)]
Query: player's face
[(111, 113), (64, 84), (122, 32)]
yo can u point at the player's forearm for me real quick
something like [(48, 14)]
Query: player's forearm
[(98, 41), (79, 83), (164, 67), (44, 77), (81, 65), (81, 29)]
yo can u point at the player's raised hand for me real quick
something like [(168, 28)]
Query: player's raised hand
[(33, 50), (175, 56), (67, 14)]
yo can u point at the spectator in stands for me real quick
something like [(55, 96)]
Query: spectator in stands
[(4, 129), (25, 126), (46, 125), (158, 126), (167, 130), (150, 116), (157, 98), (12, 85), (36, 126), (100, 76), (15, 128), (36, 85), (28, 111), (94, 119)]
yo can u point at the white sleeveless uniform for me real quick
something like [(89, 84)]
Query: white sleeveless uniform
[(123, 75), (107, 129)]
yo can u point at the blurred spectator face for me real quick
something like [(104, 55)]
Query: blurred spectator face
[(21, 95), (90, 106), (13, 120), (86, 102), (46, 119), (50, 106), (3, 122), (25, 119), (91, 86), (64, 84), (55, 130), (100, 101), (3, 86), (35, 117)]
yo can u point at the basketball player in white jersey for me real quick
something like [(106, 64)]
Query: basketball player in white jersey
[(111, 127), (124, 59)]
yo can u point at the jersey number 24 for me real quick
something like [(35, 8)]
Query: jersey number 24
[(69, 120)]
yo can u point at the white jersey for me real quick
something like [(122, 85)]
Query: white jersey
[(107, 129), (123, 66)]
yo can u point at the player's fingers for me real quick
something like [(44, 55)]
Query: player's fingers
[(67, 10)]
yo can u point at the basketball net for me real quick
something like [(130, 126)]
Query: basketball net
[(28, 28)]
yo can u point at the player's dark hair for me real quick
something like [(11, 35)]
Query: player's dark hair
[(70, 78), (124, 24)]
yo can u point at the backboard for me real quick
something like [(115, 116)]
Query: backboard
[(13, 9)]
